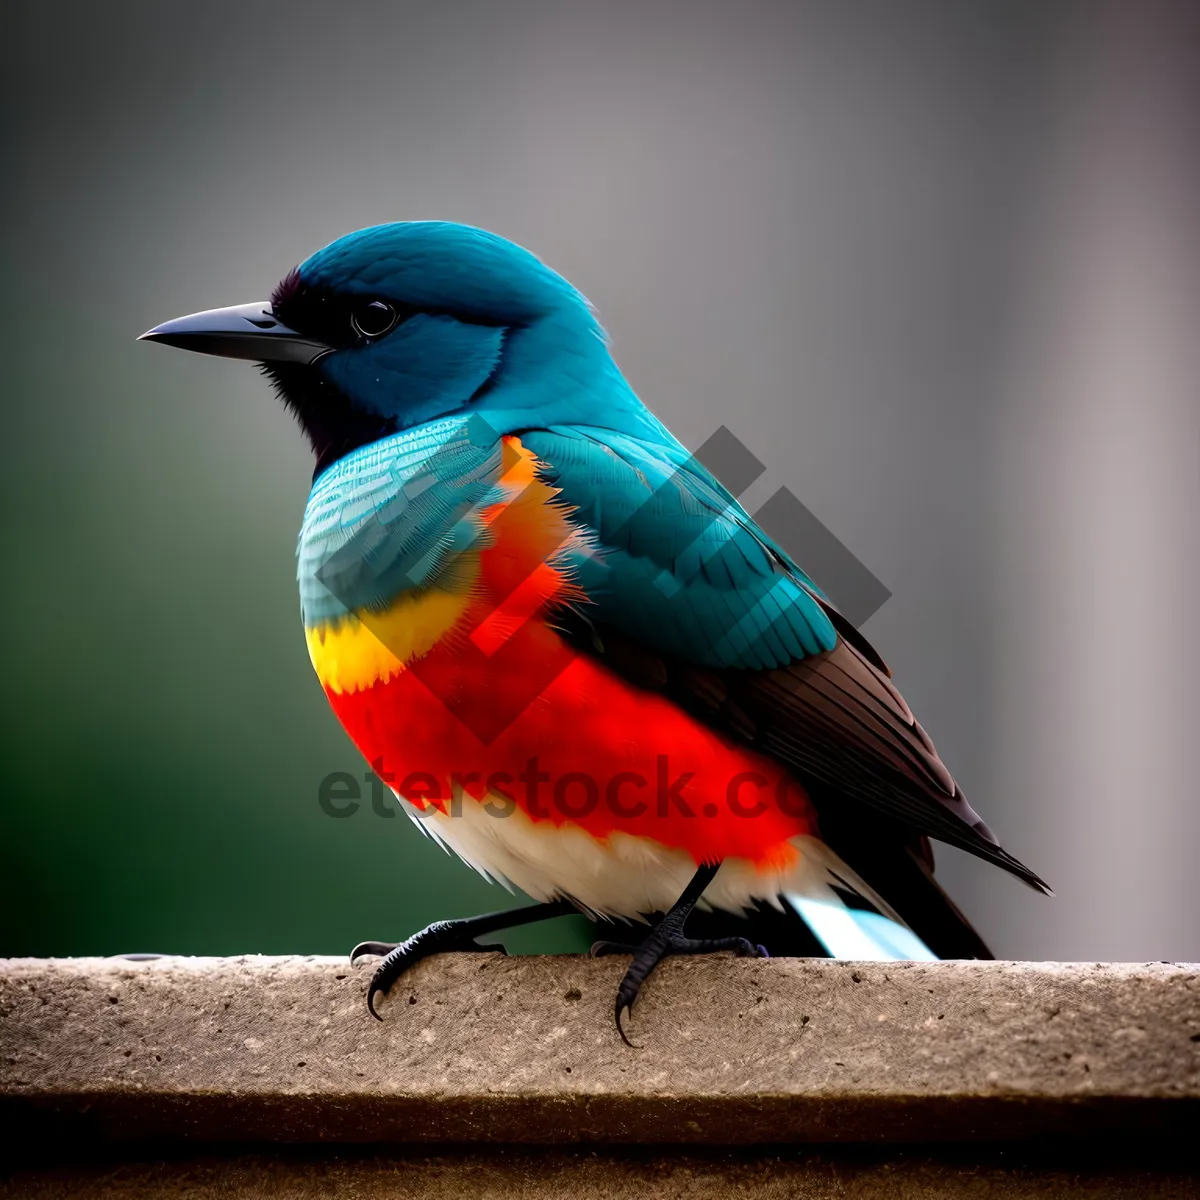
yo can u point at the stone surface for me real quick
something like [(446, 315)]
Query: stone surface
[(483, 1048), (588, 1175)]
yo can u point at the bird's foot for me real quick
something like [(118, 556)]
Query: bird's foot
[(665, 939), (439, 938), (659, 944), (443, 937)]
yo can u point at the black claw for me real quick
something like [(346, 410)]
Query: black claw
[(663, 943), (602, 948), (372, 991), (621, 1009), (377, 948), (442, 937), (668, 938), (395, 963)]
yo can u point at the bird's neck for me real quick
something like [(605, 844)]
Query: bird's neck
[(552, 375), (333, 424)]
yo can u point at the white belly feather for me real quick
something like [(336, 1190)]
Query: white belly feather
[(621, 875)]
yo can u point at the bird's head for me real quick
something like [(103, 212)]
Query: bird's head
[(399, 324)]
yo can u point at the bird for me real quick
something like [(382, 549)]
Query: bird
[(576, 659)]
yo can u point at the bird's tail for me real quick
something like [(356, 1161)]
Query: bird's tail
[(858, 934), (881, 894), (847, 931), (849, 917), (842, 912)]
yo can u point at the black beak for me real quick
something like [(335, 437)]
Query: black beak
[(249, 331)]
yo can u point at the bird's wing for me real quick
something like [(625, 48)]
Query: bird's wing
[(687, 595)]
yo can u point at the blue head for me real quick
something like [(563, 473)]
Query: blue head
[(400, 324)]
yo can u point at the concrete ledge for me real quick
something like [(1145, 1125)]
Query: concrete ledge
[(483, 1048), (506, 1174)]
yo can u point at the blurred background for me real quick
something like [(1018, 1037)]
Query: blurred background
[(935, 264)]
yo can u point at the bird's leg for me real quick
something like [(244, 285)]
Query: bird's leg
[(667, 938), (445, 936)]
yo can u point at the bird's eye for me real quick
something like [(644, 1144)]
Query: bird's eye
[(374, 319)]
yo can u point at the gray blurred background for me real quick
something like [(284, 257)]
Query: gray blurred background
[(936, 264)]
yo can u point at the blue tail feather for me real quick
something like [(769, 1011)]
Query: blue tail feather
[(860, 935)]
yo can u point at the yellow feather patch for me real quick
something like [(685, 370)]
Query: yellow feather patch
[(366, 648), (522, 537)]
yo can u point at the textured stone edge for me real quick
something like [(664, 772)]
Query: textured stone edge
[(482, 1048), (504, 1172)]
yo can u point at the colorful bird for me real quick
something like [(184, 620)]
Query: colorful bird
[(564, 644)]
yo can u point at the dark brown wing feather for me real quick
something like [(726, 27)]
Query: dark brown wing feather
[(837, 721)]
